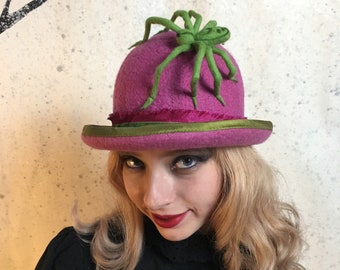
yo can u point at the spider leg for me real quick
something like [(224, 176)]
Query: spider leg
[(201, 49), (178, 50), (216, 74), (198, 19), (210, 24), (156, 20), (228, 62), (185, 15)]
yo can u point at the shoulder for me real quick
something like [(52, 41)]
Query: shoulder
[(67, 250)]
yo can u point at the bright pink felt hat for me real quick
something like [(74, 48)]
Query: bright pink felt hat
[(171, 122)]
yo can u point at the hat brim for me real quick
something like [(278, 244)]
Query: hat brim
[(172, 136)]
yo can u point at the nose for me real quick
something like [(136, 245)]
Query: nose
[(159, 189)]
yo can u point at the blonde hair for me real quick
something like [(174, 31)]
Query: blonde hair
[(253, 229)]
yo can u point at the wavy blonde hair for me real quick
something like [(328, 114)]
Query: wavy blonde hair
[(253, 229)]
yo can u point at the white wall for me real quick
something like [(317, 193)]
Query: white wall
[(57, 69)]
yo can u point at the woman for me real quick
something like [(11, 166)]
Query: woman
[(190, 192)]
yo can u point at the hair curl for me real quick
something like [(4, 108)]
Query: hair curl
[(253, 229)]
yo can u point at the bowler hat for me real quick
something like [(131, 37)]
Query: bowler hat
[(172, 121)]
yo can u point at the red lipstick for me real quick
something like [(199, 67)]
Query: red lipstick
[(168, 221)]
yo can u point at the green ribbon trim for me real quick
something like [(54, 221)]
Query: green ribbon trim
[(151, 128)]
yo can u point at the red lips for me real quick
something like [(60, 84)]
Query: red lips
[(168, 221)]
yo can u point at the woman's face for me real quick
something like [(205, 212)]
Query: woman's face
[(177, 190)]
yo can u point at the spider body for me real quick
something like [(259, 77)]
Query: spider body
[(203, 41)]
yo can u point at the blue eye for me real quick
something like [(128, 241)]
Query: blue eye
[(185, 162)]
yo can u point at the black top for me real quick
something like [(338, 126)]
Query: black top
[(68, 252)]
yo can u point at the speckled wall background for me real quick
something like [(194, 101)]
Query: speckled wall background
[(58, 66)]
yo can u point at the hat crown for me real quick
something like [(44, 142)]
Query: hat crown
[(136, 77)]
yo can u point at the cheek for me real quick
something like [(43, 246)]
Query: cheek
[(212, 187), (132, 189), (205, 188)]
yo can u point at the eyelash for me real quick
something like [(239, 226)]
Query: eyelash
[(184, 159), (174, 165), (126, 159)]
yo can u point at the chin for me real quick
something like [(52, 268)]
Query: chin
[(174, 234)]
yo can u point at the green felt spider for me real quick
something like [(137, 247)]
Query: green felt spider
[(203, 41)]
